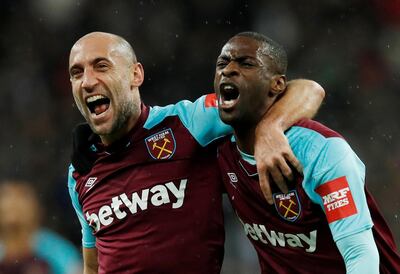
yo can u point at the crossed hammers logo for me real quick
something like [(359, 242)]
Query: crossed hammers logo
[(288, 208), (162, 148)]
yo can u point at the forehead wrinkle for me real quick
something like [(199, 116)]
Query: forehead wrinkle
[(112, 45)]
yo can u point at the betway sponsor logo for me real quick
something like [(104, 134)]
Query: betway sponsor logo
[(336, 199), (259, 232), (157, 196)]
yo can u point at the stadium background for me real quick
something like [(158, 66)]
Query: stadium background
[(352, 48)]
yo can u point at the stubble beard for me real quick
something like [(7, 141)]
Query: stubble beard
[(128, 109)]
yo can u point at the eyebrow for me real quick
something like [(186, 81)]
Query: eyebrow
[(240, 58), (94, 61)]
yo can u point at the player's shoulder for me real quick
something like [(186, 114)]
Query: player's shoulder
[(309, 139), (317, 127), (310, 131), (182, 109)]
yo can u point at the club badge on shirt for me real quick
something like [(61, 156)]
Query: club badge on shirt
[(287, 205), (337, 198), (161, 145)]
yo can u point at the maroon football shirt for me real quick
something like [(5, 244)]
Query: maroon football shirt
[(154, 201), (293, 234)]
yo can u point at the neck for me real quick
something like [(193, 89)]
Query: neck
[(245, 138), (126, 127)]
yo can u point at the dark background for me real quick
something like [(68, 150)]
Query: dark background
[(352, 48)]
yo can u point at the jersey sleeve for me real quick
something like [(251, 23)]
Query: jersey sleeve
[(333, 178), (359, 252), (88, 239), (201, 118), (337, 185)]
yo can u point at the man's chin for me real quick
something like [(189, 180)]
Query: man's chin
[(102, 129), (227, 118)]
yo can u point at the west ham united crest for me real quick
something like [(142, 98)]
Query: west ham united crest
[(287, 205), (161, 145)]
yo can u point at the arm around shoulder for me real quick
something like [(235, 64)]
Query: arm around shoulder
[(301, 99)]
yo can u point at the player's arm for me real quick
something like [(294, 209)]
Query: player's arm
[(339, 187), (88, 240), (273, 154), (90, 264), (359, 252)]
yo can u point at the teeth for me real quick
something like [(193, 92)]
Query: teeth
[(94, 98), (225, 102), (228, 87)]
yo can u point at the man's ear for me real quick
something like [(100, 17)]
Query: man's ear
[(137, 75), (278, 84)]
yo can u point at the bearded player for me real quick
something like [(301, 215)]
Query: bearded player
[(327, 222)]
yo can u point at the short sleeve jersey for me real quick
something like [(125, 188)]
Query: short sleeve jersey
[(297, 234), (152, 202)]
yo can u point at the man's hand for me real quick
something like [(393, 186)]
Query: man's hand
[(82, 157), (272, 151), (274, 161)]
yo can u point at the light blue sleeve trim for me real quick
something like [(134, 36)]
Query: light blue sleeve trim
[(60, 254), (360, 253), (88, 239), (325, 159), (202, 122)]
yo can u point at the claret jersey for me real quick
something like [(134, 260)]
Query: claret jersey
[(297, 234), (152, 202)]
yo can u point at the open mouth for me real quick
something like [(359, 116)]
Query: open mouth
[(229, 94), (98, 104)]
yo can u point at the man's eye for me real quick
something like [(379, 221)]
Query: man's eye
[(102, 66), (247, 64), (75, 73), (221, 64)]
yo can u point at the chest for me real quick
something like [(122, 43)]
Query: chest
[(161, 174)]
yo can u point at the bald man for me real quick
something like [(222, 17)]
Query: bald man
[(144, 180)]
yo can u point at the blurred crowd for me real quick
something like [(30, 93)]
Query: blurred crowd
[(352, 48)]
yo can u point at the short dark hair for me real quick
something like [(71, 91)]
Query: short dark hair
[(272, 49)]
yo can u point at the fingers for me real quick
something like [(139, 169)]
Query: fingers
[(286, 170), (278, 178), (265, 186), (294, 162)]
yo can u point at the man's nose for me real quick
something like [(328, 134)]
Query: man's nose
[(89, 80), (231, 69)]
